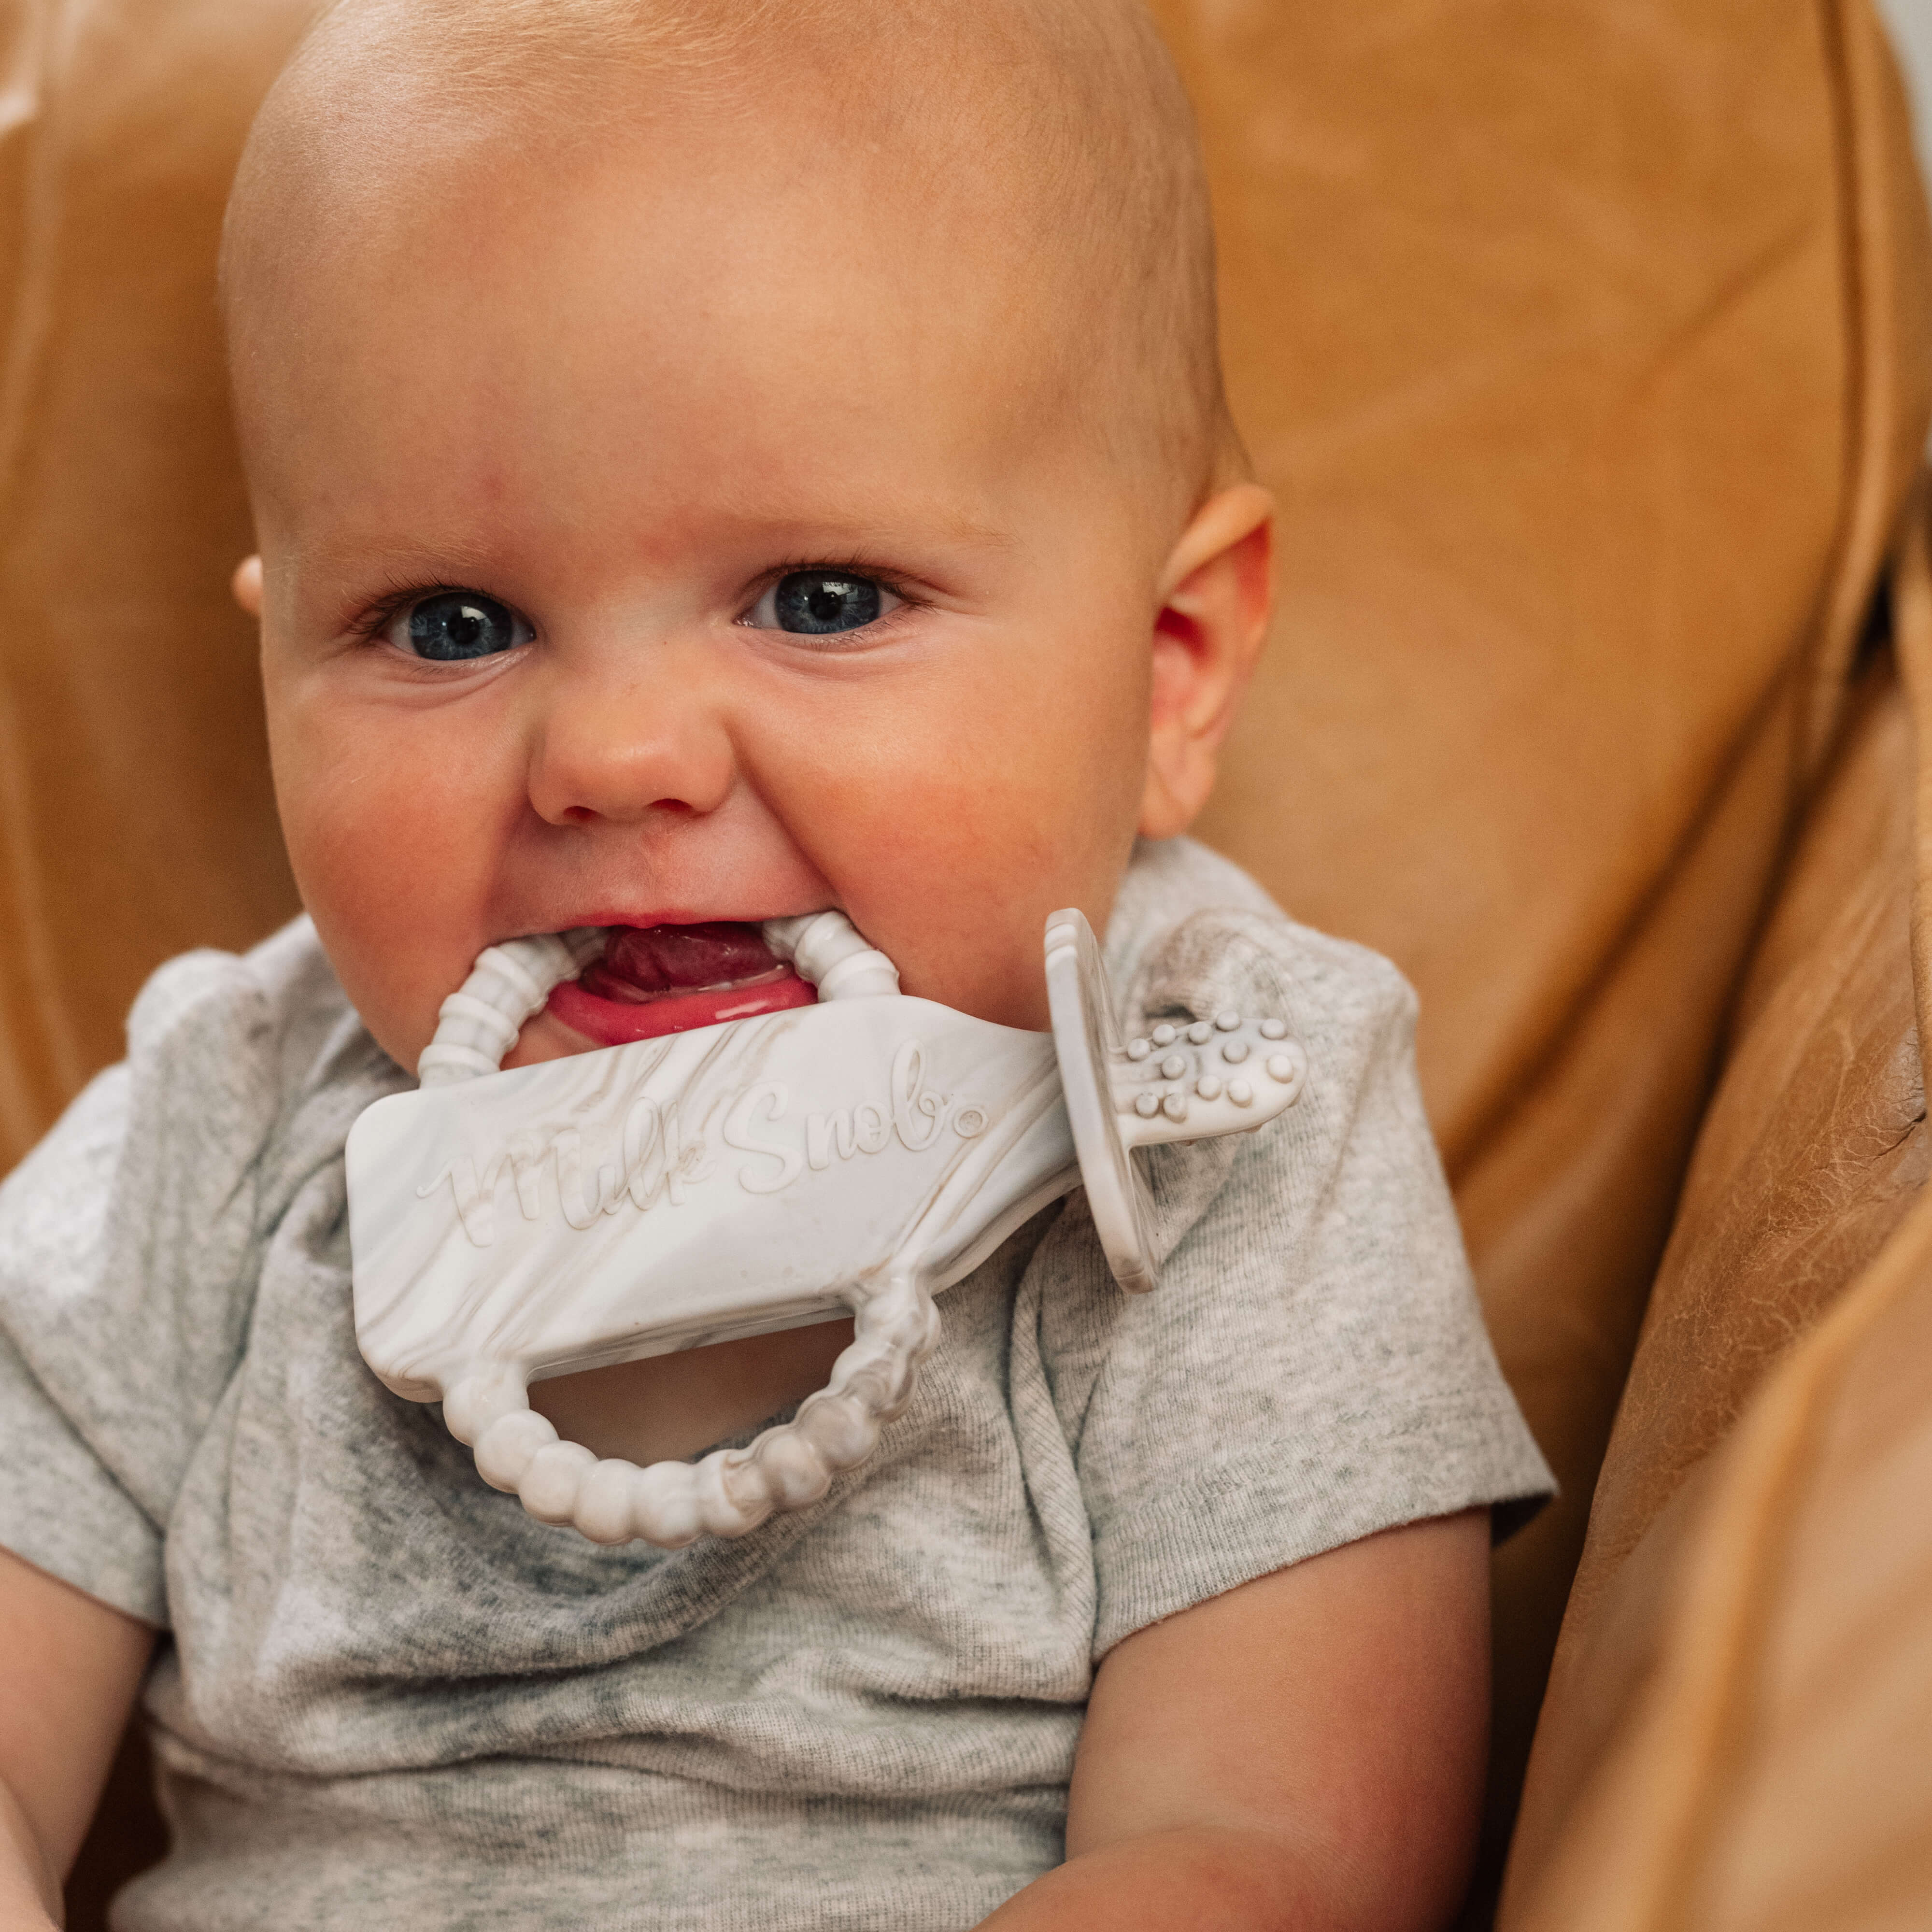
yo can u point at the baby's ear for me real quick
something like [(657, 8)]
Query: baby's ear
[(1215, 597), (246, 585)]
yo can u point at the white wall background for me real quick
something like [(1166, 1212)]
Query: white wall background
[(1911, 23)]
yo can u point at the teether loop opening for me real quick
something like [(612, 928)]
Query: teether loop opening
[(730, 1491)]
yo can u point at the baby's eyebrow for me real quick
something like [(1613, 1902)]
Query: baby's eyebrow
[(878, 541), (408, 564), (868, 536)]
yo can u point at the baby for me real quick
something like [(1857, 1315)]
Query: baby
[(715, 460)]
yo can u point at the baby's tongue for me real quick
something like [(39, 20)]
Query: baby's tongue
[(645, 962), (660, 979)]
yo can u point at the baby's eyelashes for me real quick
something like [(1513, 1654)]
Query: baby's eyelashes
[(816, 603), (452, 626)]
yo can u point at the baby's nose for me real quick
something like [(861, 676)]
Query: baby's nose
[(620, 753)]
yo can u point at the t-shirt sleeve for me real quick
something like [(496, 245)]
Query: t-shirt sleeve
[(1312, 1365), (126, 1238)]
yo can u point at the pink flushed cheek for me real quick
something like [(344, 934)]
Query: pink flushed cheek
[(400, 940)]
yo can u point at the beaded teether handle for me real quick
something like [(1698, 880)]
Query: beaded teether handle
[(730, 1491)]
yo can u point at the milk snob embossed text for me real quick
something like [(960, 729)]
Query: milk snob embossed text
[(910, 1111), (658, 1159), (656, 1162)]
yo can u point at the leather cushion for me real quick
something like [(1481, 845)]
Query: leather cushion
[(1735, 1730)]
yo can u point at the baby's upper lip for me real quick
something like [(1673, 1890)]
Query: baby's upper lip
[(607, 916), (644, 920)]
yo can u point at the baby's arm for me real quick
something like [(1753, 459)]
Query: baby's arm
[(1306, 1751), (70, 1667)]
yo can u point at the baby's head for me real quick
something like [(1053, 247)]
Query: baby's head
[(716, 459)]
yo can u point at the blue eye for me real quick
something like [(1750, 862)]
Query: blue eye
[(816, 603), (455, 625)]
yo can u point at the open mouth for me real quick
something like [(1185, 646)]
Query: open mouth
[(658, 979)]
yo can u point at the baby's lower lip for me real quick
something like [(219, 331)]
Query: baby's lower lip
[(634, 993)]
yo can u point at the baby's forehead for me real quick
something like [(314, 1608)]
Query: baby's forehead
[(990, 140), (989, 151), (709, 294)]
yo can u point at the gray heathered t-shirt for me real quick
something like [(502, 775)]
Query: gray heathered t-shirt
[(390, 1698)]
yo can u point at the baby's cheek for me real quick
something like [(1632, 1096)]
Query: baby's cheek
[(953, 816), (384, 922), (394, 853)]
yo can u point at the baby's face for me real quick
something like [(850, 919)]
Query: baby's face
[(643, 548)]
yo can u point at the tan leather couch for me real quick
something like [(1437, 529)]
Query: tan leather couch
[(1589, 349)]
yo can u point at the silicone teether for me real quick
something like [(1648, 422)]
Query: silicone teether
[(863, 1154)]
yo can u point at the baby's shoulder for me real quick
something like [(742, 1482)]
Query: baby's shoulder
[(264, 1030), (280, 1000), (238, 1065)]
